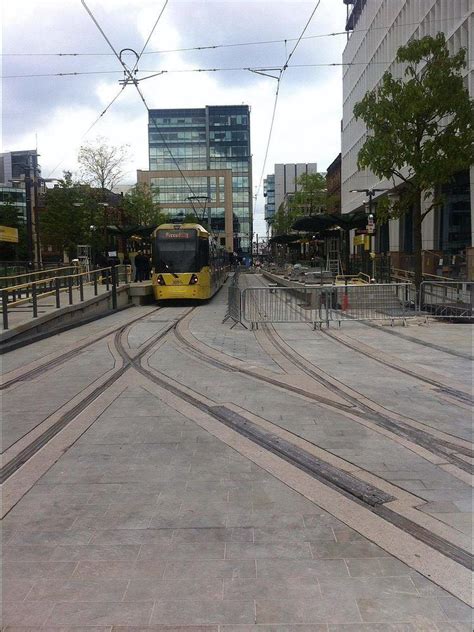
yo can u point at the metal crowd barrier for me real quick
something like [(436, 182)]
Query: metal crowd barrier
[(447, 299), (377, 301), (29, 293), (234, 304), (320, 305), (283, 305)]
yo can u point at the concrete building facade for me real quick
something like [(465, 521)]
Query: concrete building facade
[(200, 141), (377, 28), (173, 188)]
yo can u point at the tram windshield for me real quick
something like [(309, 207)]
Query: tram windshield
[(176, 251)]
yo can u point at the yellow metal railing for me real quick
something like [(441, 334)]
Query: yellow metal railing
[(360, 278), (37, 275), (32, 291)]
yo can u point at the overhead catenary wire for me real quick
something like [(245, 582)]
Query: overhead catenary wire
[(238, 44), (94, 123), (150, 36), (137, 87), (277, 93), (190, 70)]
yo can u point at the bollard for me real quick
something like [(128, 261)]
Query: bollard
[(81, 288), (95, 283), (57, 292), (34, 299), (5, 308), (69, 284), (114, 287)]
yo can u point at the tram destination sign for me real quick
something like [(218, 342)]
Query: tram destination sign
[(177, 234)]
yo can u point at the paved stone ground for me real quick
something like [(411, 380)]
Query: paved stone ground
[(236, 342), (148, 519), (43, 348), (148, 522)]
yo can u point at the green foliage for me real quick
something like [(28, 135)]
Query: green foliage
[(74, 214), (284, 219), (421, 130), (140, 207), (424, 120), (310, 199), (62, 221), (192, 218)]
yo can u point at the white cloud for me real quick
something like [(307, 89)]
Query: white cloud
[(60, 110)]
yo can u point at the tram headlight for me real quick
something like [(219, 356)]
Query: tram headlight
[(160, 280), (193, 280)]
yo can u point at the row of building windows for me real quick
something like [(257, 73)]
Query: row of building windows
[(228, 136), (185, 121), (189, 135), (198, 151), (228, 150), (168, 164), (216, 120)]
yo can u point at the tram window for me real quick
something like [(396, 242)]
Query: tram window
[(203, 253)]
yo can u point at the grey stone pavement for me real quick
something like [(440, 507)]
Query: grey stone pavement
[(149, 522)]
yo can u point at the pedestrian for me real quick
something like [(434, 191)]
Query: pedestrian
[(140, 266), (146, 268)]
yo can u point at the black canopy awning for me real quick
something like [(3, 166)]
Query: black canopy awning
[(314, 223), (318, 223), (284, 239)]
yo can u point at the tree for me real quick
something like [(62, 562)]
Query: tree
[(63, 222), (308, 200), (421, 130), (140, 207), (101, 164), (311, 196)]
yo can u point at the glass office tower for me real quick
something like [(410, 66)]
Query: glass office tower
[(203, 139)]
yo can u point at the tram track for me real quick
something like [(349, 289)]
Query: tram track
[(349, 485), (370, 406), (354, 409), (67, 355), (354, 488), (454, 393), (424, 438), (23, 456)]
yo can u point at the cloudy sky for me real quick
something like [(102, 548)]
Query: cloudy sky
[(55, 112)]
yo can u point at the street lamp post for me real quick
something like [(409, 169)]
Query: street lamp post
[(370, 193)]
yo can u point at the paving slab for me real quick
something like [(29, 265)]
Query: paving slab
[(149, 522)]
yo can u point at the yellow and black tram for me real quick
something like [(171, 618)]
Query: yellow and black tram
[(187, 262)]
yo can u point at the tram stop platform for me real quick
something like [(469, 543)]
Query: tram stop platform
[(141, 293)]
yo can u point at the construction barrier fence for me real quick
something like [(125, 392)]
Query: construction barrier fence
[(320, 305)]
